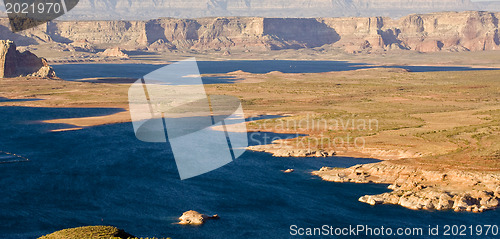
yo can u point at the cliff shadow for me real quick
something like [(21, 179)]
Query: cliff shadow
[(298, 33), (20, 40), (52, 31), (392, 37)]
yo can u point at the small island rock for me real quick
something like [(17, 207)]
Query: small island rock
[(195, 218)]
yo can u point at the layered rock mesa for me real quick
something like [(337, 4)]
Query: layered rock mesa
[(14, 63), (446, 31)]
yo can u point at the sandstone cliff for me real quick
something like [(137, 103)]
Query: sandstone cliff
[(14, 63), (465, 31), (447, 31)]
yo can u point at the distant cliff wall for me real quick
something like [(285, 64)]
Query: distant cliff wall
[(447, 31), (450, 31)]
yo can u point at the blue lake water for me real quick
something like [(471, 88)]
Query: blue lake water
[(104, 176), (79, 71)]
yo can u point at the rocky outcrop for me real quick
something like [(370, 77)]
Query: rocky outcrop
[(82, 45), (432, 199), (161, 46), (447, 31), (115, 52), (420, 189), (290, 152), (195, 218), (14, 63)]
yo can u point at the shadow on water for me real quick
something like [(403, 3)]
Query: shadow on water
[(104, 176), (136, 71)]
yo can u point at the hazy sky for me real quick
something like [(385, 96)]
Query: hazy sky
[(148, 9)]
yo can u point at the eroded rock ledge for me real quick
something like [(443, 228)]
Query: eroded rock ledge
[(290, 152), (419, 189)]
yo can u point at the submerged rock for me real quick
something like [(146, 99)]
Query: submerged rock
[(195, 218)]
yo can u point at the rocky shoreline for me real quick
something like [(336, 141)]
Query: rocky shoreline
[(292, 153), (419, 189), (412, 186)]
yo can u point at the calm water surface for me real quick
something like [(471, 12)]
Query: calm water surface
[(79, 71)]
